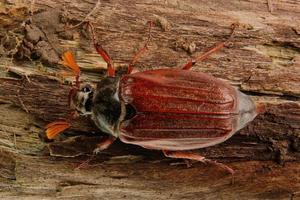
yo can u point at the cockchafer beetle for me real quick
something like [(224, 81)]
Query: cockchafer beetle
[(173, 110)]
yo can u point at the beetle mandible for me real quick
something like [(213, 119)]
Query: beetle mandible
[(173, 110)]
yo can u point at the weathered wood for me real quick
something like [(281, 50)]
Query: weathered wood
[(262, 61)]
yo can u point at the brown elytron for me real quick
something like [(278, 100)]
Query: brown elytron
[(178, 109)]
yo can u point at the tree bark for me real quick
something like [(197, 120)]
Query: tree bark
[(263, 61)]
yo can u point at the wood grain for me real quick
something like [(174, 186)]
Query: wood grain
[(263, 60)]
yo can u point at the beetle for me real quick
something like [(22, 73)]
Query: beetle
[(173, 110)]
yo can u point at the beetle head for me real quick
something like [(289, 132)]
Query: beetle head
[(82, 101)]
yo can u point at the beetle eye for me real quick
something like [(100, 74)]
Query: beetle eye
[(86, 89)]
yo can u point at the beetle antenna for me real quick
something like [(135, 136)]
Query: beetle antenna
[(69, 62), (56, 127), (138, 54), (204, 56)]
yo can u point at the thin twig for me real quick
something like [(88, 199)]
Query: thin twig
[(22, 104), (86, 17)]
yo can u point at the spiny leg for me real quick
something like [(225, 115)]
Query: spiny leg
[(202, 57), (110, 67), (98, 47), (197, 157), (138, 54), (104, 144)]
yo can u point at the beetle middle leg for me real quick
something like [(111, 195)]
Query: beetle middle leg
[(216, 48), (138, 54), (104, 144), (197, 157), (100, 50)]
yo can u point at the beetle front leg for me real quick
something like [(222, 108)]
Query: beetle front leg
[(197, 157), (110, 67)]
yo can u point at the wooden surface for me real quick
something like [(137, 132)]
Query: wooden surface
[(263, 60)]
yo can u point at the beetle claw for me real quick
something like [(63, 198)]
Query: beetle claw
[(104, 144), (97, 151)]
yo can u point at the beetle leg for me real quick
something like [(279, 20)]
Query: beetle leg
[(138, 54), (197, 157), (100, 147), (110, 67), (202, 57), (104, 144), (186, 162)]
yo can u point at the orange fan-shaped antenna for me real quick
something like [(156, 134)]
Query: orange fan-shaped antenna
[(69, 61), (55, 128)]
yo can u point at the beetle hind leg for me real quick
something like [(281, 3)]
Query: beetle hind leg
[(197, 157)]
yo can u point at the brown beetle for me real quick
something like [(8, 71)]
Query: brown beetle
[(172, 110)]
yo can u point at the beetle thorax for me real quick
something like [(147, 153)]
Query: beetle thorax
[(102, 103), (108, 110)]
